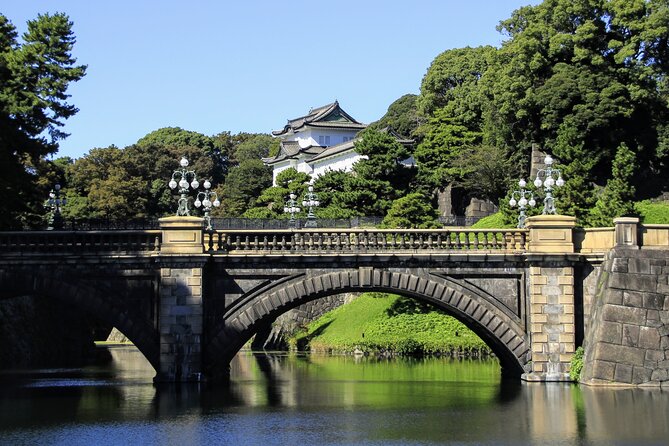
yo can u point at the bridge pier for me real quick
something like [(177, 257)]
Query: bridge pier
[(181, 261), (551, 297)]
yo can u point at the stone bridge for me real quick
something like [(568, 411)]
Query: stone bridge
[(190, 299)]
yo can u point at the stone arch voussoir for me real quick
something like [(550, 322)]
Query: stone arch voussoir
[(504, 335)]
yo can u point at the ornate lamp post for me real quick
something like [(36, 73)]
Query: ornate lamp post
[(291, 207), (206, 202), (183, 184), (310, 201), (522, 201), (549, 181), (55, 202)]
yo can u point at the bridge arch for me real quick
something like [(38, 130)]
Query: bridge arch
[(96, 301), (504, 335)]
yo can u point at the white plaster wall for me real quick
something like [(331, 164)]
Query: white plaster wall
[(310, 137), (343, 161)]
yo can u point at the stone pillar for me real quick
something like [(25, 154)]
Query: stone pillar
[(626, 231), (551, 297), (182, 260)]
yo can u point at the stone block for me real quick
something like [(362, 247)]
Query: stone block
[(539, 338), (565, 280), (659, 375), (568, 290), (632, 299), (611, 332), (614, 297), (649, 338), (630, 315), (539, 280), (566, 299), (567, 338), (630, 335), (165, 272), (638, 266), (654, 301), (535, 270), (641, 375), (620, 354), (634, 282), (553, 309), (619, 265), (538, 347), (603, 370), (538, 299), (654, 355), (568, 309), (539, 318), (194, 281), (623, 373)]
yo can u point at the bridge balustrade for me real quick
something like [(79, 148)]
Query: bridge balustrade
[(77, 242), (365, 240)]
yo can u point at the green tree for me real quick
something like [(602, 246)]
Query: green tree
[(243, 186), (402, 116), (581, 77), (411, 211), (270, 202), (34, 78), (616, 199), (445, 141), (255, 147)]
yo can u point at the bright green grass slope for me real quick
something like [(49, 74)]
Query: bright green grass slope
[(652, 213), (377, 322)]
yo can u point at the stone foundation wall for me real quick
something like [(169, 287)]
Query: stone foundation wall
[(629, 338)]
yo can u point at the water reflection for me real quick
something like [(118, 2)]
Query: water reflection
[(280, 399)]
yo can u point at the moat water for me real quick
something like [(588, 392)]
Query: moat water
[(282, 399)]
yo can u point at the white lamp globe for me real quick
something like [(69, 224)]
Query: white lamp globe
[(537, 182), (207, 184), (217, 203), (197, 203), (172, 183), (512, 202), (559, 182), (532, 202), (183, 162), (522, 183), (548, 160), (195, 184), (183, 184), (522, 202), (550, 182)]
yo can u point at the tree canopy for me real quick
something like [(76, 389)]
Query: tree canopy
[(34, 78)]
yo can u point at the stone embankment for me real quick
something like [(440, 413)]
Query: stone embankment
[(629, 333)]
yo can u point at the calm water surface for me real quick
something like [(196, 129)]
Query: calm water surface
[(303, 400)]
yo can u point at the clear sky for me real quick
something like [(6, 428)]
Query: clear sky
[(211, 66)]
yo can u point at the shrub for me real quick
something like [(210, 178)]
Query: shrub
[(577, 364)]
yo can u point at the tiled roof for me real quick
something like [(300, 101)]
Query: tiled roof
[(334, 150), (317, 117), (291, 149)]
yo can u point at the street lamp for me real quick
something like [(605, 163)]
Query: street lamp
[(310, 201), (549, 181), (55, 203), (522, 201), (206, 202), (183, 184), (291, 207)]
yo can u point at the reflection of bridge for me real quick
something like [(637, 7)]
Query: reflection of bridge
[(190, 299)]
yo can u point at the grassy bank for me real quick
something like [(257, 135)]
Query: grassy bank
[(385, 323)]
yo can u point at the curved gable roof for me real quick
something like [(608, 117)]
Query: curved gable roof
[(330, 115)]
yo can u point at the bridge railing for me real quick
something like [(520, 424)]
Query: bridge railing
[(365, 240), (78, 242)]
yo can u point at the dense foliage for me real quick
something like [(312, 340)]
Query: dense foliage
[(34, 78), (586, 79)]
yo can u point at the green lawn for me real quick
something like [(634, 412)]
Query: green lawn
[(377, 322)]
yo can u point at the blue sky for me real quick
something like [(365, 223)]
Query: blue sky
[(211, 66)]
